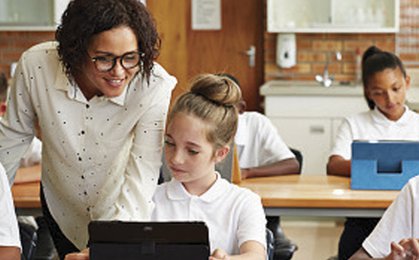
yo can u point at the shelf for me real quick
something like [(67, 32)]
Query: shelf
[(333, 16)]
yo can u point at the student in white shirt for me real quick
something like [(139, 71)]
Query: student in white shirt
[(9, 232), (261, 150), (396, 236), (201, 125), (385, 84), (101, 103)]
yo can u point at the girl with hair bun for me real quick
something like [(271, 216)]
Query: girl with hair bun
[(385, 85), (201, 126)]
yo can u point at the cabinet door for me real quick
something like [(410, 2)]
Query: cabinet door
[(296, 15), (333, 16), (309, 135), (31, 15)]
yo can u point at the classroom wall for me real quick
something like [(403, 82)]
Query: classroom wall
[(12, 44), (312, 48), (311, 56)]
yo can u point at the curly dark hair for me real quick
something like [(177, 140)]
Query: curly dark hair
[(83, 19)]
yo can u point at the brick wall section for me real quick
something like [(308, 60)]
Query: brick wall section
[(408, 37), (315, 48), (312, 52), (12, 44), (312, 49)]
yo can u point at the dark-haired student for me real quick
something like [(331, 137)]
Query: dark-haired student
[(101, 103), (385, 85)]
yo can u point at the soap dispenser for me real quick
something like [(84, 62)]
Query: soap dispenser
[(286, 50)]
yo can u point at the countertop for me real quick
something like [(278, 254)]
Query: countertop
[(308, 88), (312, 88)]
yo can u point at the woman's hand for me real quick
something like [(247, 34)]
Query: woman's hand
[(83, 255), (406, 249), (219, 254)]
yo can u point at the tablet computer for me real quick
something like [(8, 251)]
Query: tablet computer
[(148, 240), (389, 154)]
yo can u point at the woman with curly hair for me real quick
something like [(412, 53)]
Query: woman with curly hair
[(100, 102)]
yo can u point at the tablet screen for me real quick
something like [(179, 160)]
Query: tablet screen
[(148, 240)]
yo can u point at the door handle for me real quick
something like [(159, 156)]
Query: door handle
[(251, 53)]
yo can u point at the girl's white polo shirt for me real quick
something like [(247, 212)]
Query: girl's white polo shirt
[(374, 125), (233, 214)]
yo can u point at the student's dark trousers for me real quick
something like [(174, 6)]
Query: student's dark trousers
[(355, 232)]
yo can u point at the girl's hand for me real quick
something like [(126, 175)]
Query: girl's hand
[(219, 254), (83, 255), (405, 249)]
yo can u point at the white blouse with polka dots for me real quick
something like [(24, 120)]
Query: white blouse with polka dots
[(101, 157)]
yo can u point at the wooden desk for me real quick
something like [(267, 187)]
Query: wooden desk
[(26, 194), (293, 195), (308, 195)]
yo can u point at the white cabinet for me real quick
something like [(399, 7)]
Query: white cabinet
[(307, 117), (31, 15), (340, 16), (311, 136)]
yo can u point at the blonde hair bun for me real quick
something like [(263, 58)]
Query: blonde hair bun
[(217, 89), (212, 99)]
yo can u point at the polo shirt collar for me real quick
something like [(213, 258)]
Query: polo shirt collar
[(176, 190), (380, 118), (62, 82)]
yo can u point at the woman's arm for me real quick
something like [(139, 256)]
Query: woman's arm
[(17, 125)]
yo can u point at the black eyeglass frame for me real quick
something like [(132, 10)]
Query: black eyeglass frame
[(114, 58)]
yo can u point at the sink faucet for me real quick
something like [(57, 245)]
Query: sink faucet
[(326, 80)]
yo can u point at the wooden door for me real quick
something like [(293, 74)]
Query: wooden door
[(186, 52)]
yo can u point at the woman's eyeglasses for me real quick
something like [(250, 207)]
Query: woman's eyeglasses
[(127, 60)]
